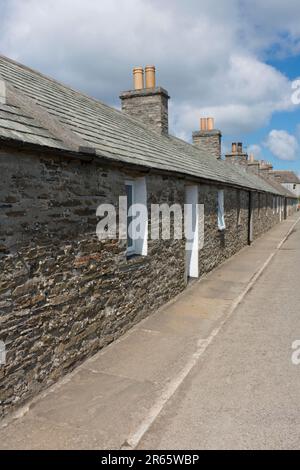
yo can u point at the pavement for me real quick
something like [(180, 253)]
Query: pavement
[(210, 370)]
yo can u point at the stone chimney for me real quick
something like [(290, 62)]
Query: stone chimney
[(265, 167), (253, 165), (208, 139), (146, 101), (237, 154)]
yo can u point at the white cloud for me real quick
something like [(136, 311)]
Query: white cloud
[(282, 144), (256, 150), (273, 24), (209, 55)]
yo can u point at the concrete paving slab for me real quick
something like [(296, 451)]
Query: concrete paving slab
[(220, 289), (155, 357), (190, 315), (241, 275), (40, 434), (80, 408)]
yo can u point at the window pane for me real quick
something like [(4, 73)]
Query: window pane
[(221, 216)]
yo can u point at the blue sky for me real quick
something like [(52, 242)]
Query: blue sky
[(234, 60), (288, 121)]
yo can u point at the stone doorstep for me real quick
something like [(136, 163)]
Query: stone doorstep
[(104, 400)]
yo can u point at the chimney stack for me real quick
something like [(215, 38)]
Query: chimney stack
[(146, 101), (265, 167), (237, 154), (253, 165), (208, 139)]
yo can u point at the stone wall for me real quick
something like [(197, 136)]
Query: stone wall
[(63, 293), (264, 215), (220, 245)]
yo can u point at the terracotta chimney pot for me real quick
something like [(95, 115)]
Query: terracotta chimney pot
[(150, 76), (203, 124), (210, 124), (138, 78)]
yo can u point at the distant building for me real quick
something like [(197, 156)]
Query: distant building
[(289, 180)]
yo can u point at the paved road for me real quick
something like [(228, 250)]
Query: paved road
[(197, 374), (245, 391)]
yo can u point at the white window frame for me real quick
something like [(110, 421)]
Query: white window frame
[(130, 249), (139, 196), (221, 212), (239, 208), (192, 230)]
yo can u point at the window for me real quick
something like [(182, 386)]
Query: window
[(130, 199), (258, 204), (221, 217), (137, 217)]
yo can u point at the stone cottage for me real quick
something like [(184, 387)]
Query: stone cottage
[(64, 294)]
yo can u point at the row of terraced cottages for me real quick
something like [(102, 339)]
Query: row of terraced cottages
[(65, 292)]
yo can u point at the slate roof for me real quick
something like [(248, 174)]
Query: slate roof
[(16, 125), (42, 111), (277, 186), (286, 176)]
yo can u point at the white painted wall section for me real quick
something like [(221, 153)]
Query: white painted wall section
[(192, 230)]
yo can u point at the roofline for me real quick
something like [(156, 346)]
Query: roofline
[(89, 157), (285, 173), (53, 80)]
